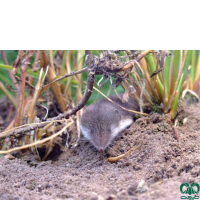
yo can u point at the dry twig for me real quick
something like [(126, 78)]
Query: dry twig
[(94, 68), (39, 141)]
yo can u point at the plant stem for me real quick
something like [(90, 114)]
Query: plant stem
[(9, 96), (166, 78), (174, 105), (19, 115), (67, 114), (10, 73), (51, 76), (20, 110), (192, 70)]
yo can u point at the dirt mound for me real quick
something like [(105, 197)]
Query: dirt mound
[(156, 171)]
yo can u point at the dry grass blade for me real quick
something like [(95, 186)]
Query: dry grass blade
[(149, 82), (79, 77), (191, 92), (51, 60), (21, 55), (143, 87), (67, 90), (114, 159), (79, 95), (9, 96), (131, 64), (38, 142), (51, 76), (133, 111), (37, 93), (12, 130), (20, 111)]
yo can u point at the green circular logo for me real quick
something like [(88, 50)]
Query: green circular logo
[(189, 189)]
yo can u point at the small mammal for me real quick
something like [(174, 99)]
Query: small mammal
[(102, 121)]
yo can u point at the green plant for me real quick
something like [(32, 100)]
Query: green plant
[(194, 78), (166, 87), (28, 78), (39, 78), (54, 80)]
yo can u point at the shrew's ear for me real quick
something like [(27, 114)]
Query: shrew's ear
[(117, 113)]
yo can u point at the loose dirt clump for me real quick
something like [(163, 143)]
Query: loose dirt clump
[(156, 171)]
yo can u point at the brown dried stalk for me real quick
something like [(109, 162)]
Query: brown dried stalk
[(27, 83), (79, 77), (36, 95), (143, 87), (20, 110), (92, 71), (51, 76), (173, 129), (36, 61), (133, 111), (51, 60), (150, 84), (65, 76), (114, 159), (139, 57), (87, 94), (21, 55), (10, 73), (67, 90), (79, 93), (39, 141), (9, 132), (9, 96)]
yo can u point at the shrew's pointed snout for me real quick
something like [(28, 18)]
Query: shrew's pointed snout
[(101, 149), (102, 143)]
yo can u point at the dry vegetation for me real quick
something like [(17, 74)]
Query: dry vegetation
[(48, 98)]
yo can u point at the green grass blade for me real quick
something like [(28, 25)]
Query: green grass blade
[(160, 89), (29, 71), (6, 67), (174, 70), (64, 60), (192, 70), (166, 75), (33, 74), (150, 62), (54, 53), (174, 105), (176, 62), (152, 68), (197, 69), (185, 70)]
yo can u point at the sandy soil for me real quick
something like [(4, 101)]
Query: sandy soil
[(156, 171)]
